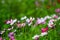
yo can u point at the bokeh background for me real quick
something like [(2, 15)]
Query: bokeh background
[(35, 8)]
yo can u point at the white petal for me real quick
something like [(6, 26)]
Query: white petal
[(13, 22), (35, 36), (43, 34)]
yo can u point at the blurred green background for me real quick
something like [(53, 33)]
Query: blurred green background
[(19, 8)]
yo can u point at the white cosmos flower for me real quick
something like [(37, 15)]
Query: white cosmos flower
[(29, 24), (43, 34), (51, 24), (53, 15), (36, 36), (27, 20), (23, 18), (13, 21), (31, 18), (10, 28), (58, 18), (48, 17), (15, 30), (2, 32)]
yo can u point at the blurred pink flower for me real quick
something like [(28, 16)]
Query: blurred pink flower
[(1, 38), (21, 25), (11, 22), (57, 10), (51, 20), (51, 24), (12, 38), (18, 25), (56, 16), (7, 22), (44, 29), (38, 21), (11, 34)]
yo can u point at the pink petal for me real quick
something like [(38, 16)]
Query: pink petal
[(57, 10), (38, 21), (55, 16), (44, 29)]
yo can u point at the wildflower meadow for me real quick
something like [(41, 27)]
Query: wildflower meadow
[(29, 19)]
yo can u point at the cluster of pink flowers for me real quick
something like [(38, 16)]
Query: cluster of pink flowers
[(11, 22)]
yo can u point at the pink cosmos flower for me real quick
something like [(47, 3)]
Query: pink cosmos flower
[(11, 22), (11, 34), (43, 21), (1, 38), (21, 25), (51, 20), (8, 22), (56, 16), (12, 38), (44, 29), (18, 25), (38, 21), (57, 10), (51, 24)]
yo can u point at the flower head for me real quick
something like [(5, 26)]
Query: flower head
[(44, 29), (57, 10), (23, 18), (36, 37), (43, 34), (12, 38), (11, 34), (55, 16)]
